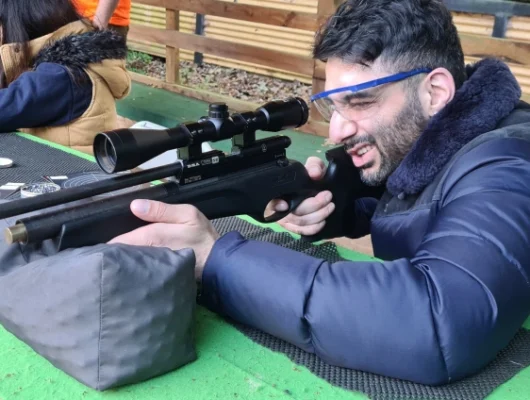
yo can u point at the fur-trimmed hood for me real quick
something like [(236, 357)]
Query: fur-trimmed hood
[(94, 51), (490, 94), (78, 51)]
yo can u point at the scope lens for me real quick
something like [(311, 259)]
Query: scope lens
[(105, 153)]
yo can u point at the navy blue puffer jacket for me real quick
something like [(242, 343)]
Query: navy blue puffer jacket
[(453, 231)]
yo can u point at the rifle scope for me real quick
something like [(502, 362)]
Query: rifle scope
[(124, 149)]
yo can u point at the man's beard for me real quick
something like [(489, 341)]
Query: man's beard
[(393, 141)]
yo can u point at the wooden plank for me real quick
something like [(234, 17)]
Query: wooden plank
[(509, 50), (277, 59), (317, 87), (172, 53), (318, 128), (324, 10), (312, 127), (318, 83), (320, 70), (327, 7), (245, 12)]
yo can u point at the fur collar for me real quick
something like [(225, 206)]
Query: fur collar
[(77, 51), (74, 45), (490, 93)]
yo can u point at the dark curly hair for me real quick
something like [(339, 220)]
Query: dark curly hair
[(401, 34)]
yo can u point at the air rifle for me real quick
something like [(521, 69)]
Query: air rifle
[(241, 182)]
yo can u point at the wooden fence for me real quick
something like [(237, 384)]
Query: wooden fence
[(292, 41), (174, 40), (478, 33), (496, 29)]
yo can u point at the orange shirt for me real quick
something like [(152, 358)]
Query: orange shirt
[(121, 16)]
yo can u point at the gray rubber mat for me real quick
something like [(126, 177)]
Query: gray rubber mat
[(33, 160)]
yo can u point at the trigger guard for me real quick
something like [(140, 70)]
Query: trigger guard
[(293, 201), (277, 216)]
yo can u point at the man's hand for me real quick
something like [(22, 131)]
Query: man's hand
[(100, 23), (103, 13), (310, 216), (174, 226)]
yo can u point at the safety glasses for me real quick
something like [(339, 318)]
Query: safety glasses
[(360, 101)]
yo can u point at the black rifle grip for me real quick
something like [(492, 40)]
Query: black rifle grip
[(343, 179)]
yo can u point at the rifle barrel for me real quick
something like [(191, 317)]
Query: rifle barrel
[(63, 196), (44, 226)]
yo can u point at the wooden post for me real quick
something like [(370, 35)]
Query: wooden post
[(172, 53), (174, 41), (324, 9)]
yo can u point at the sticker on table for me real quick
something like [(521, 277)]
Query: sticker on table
[(80, 179), (9, 189), (77, 179)]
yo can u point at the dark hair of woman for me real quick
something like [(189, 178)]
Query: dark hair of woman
[(25, 20)]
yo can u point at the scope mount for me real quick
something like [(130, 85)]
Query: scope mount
[(246, 150), (218, 114)]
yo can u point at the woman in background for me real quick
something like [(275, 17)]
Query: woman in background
[(59, 77)]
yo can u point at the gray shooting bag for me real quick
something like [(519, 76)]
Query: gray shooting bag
[(107, 315)]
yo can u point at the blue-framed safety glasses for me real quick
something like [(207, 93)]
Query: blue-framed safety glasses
[(359, 101)]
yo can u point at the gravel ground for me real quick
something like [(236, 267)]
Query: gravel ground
[(231, 82)]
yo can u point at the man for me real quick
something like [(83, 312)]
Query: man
[(452, 146), (106, 14)]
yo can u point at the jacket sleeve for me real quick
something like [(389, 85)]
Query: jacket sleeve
[(45, 97), (434, 318)]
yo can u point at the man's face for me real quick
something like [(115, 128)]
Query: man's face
[(378, 126)]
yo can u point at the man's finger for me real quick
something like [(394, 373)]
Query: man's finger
[(305, 230), (313, 204), (274, 206), (149, 235), (280, 205), (156, 211), (313, 218), (315, 168)]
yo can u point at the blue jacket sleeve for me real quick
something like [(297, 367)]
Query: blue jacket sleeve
[(434, 318), (45, 97)]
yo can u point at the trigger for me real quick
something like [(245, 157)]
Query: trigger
[(290, 200), (278, 215), (293, 201)]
